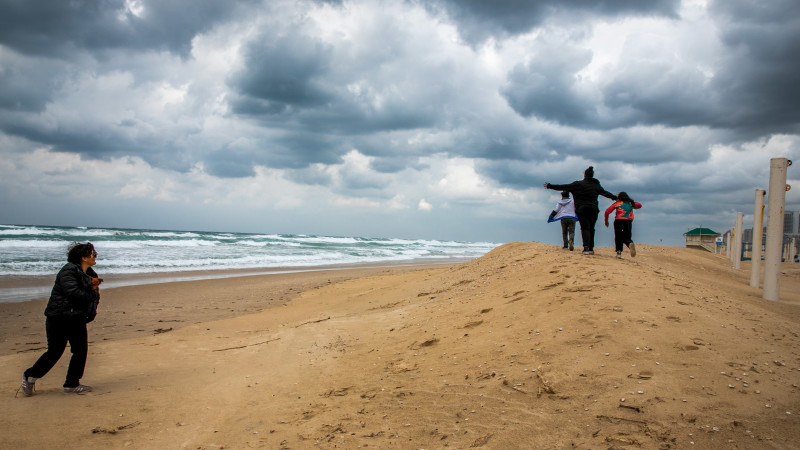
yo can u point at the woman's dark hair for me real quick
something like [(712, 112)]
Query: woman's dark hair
[(77, 251), (624, 197)]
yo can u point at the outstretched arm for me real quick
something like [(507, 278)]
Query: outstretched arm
[(607, 194), (557, 187)]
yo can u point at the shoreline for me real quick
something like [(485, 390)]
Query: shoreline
[(151, 307), (19, 289)]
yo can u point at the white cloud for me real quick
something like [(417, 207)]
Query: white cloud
[(461, 182)]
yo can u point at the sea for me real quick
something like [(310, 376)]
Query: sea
[(30, 256)]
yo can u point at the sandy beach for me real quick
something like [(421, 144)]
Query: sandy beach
[(529, 346)]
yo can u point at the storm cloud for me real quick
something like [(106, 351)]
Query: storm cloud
[(397, 116)]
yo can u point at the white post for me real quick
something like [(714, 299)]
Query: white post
[(775, 206), (758, 232), (737, 242), (728, 244)]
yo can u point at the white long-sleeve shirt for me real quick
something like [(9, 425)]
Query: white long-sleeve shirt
[(565, 209)]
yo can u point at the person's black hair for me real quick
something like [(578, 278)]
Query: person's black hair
[(564, 194), (589, 173), (625, 198), (77, 251)]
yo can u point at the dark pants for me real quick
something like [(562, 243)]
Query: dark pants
[(567, 231), (61, 330), (622, 233), (587, 217)]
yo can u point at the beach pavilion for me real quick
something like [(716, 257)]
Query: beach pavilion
[(702, 239)]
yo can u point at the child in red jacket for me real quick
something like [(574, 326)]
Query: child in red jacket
[(623, 222)]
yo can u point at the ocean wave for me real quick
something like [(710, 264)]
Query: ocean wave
[(36, 250), (77, 233)]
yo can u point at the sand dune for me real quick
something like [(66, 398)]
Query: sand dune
[(527, 347)]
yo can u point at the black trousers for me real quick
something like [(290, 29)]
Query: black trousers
[(61, 330), (622, 233), (587, 217), (567, 231)]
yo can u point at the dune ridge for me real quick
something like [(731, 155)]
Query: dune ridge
[(527, 347)]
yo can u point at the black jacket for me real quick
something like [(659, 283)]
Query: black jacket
[(584, 192), (72, 294)]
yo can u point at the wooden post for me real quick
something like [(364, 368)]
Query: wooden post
[(775, 207), (758, 232)]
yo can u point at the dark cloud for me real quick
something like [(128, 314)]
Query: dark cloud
[(52, 27), (282, 75), (479, 19), (313, 100), (659, 93), (643, 90), (752, 92), (320, 94), (229, 162), (396, 164), (757, 78), (299, 81), (281, 150), (749, 91), (27, 83), (101, 141), (545, 86)]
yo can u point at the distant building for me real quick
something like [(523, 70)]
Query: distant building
[(702, 239), (747, 236), (788, 223)]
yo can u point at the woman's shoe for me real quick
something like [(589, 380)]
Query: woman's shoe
[(79, 389), (28, 385), (633, 249)]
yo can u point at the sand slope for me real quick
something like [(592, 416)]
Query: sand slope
[(527, 347)]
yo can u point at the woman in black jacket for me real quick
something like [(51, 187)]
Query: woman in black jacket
[(73, 304)]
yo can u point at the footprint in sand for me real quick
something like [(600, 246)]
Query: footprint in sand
[(427, 343), (643, 375), (473, 324)]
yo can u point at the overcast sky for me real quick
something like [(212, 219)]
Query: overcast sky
[(436, 119)]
